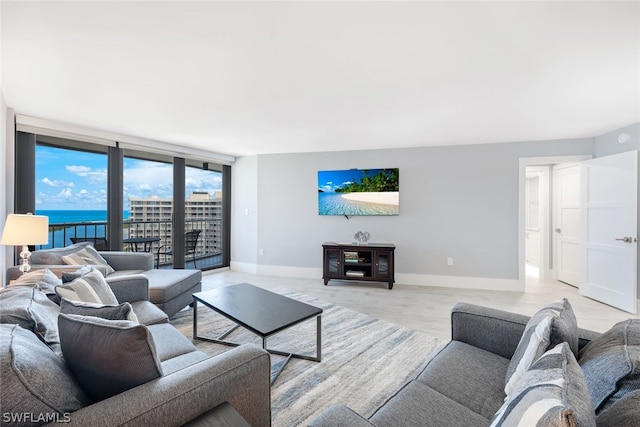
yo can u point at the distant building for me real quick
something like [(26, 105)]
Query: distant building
[(152, 216)]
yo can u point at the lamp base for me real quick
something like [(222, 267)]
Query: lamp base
[(24, 263)]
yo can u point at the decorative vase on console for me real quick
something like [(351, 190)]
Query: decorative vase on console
[(362, 237)]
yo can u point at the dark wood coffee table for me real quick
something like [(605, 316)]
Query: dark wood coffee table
[(262, 312)]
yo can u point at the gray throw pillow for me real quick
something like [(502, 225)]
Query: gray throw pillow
[(29, 307), (623, 413), (108, 357), (44, 279), (92, 287), (54, 256), (122, 311), (70, 276), (34, 379), (611, 363), (87, 256), (552, 392), (554, 324)]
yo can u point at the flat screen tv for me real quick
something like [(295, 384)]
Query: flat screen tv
[(359, 192)]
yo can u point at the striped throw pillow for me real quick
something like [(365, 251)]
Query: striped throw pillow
[(87, 255), (554, 324), (552, 392), (89, 288)]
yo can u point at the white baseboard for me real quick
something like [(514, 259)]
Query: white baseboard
[(243, 267), (483, 283)]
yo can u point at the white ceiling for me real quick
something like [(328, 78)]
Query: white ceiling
[(267, 77)]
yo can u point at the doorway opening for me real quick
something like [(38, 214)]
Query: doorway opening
[(538, 238)]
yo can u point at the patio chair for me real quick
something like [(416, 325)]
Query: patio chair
[(100, 243), (190, 244)]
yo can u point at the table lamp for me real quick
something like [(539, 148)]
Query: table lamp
[(23, 230)]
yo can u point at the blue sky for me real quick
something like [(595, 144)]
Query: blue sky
[(330, 180), (77, 180)]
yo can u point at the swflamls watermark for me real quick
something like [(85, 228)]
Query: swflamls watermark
[(34, 417)]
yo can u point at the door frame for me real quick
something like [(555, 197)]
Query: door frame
[(525, 162)]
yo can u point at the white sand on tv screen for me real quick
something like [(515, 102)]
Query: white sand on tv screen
[(380, 198)]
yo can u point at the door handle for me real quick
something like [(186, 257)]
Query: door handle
[(557, 230), (628, 239)]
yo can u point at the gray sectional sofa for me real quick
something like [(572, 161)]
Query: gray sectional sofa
[(464, 384), (46, 377), (169, 289)]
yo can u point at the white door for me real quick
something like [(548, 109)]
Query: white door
[(610, 217), (567, 223)]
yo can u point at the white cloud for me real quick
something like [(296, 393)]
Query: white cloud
[(66, 193), (78, 170), (56, 182), (92, 176)]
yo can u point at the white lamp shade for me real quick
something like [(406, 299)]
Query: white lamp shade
[(25, 229)]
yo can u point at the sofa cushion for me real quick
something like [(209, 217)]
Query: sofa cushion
[(340, 415), (165, 284), (91, 287), (148, 314), (34, 379), (611, 363), (416, 404), (554, 324), (169, 341), (122, 311), (468, 375), (180, 362), (44, 279), (625, 412), (108, 357), (86, 255), (552, 392), (29, 307)]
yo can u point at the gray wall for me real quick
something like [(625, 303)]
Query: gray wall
[(608, 144), (5, 252), (459, 201)]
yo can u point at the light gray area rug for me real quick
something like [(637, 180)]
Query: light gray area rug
[(364, 360)]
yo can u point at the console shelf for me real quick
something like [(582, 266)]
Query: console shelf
[(371, 262)]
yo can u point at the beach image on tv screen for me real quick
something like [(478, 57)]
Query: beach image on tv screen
[(359, 192)]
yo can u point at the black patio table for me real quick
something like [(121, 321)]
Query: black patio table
[(260, 311), (145, 241)]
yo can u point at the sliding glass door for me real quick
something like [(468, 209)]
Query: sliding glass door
[(134, 199)]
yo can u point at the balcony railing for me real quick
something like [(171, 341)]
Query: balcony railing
[(208, 249)]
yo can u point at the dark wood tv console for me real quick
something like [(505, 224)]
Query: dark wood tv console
[(372, 262)]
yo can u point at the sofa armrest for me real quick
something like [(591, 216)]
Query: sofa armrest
[(490, 329), (129, 287), (240, 376), (339, 416), (120, 260)]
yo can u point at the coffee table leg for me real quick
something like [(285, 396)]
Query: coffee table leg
[(195, 318), (319, 337)]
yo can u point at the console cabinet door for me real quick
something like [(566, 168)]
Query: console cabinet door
[(383, 265), (333, 263)]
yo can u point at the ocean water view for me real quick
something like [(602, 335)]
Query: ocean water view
[(60, 236), (73, 216)]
